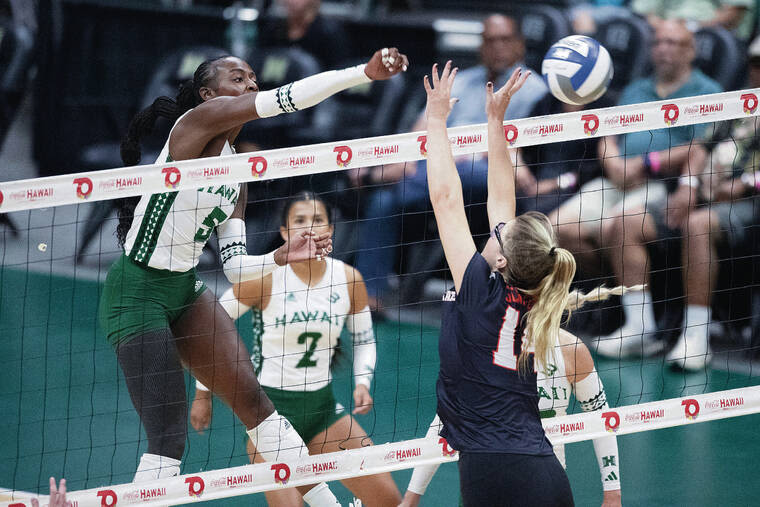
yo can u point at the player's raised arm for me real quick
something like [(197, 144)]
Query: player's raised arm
[(222, 111), (444, 184), (501, 172)]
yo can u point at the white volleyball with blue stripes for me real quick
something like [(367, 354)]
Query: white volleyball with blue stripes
[(577, 69)]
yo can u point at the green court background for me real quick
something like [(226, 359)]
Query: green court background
[(66, 411)]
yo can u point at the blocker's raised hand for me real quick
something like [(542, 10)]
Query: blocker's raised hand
[(497, 102), (439, 100)]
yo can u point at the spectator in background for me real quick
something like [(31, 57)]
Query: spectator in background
[(304, 27), (634, 164), (587, 14), (725, 184), (501, 51), (735, 15), (549, 174)]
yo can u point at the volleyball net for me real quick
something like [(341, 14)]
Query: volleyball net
[(68, 412)]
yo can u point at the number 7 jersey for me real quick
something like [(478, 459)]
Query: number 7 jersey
[(170, 229), (301, 328)]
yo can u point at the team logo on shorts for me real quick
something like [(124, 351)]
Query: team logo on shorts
[(590, 124), (172, 176), (670, 114), (344, 155), (258, 166), (281, 473), (510, 134), (611, 421), (690, 408), (84, 187), (749, 103)]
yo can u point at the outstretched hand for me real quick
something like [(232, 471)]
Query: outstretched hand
[(439, 101), (304, 246), (57, 495), (497, 102), (386, 63)]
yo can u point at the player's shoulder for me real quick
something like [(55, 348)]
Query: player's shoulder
[(578, 360), (352, 274)]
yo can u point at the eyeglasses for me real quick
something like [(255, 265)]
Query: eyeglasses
[(496, 233)]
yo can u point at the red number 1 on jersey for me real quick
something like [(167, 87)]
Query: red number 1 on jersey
[(508, 351)]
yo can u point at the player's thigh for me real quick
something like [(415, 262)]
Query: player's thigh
[(209, 345), (346, 433)]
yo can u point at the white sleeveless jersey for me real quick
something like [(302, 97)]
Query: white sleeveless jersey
[(554, 394), (301, 327), (170, 229)]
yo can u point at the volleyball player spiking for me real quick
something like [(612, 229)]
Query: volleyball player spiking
[(155, 310), (299, 311), (496, 326)]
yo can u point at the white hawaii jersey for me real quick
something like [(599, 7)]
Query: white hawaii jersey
[(170, 229), (554, 393), (301, 328)]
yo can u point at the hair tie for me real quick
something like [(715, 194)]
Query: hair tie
[(552, 251)]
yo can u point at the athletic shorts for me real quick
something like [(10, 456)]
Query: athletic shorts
[(137, 299), (513, 480), (310, 412), (599, 199)]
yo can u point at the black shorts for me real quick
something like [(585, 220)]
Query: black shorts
[(513, 480)]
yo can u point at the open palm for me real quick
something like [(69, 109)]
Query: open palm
[(497, 102)]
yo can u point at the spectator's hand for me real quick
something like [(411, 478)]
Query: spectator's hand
[(612, 498), (386, 63), (497, 102), (362, 400), (201, 411), (680, 204), (439, 101), (57, 495), (304, 246), (625, 172)]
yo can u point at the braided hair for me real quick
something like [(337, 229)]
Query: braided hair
[(142, 124)]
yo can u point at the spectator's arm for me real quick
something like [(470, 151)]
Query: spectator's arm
[(728, 16)]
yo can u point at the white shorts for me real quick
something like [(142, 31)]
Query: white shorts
[(600, 199)]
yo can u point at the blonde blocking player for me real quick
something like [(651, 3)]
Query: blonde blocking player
[(299, 311), (570, 368)]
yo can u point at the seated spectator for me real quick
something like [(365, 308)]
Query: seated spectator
[(588, 14), (304, 27), (738, 16), (502, 49), (724, 186), (635, 163), (555, 170)]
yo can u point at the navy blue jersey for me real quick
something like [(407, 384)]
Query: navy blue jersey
[(485, 404)]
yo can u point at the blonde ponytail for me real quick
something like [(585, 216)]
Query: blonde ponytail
[(550, 300)]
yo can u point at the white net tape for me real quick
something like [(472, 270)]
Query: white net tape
[(320, 158), (334, 466)]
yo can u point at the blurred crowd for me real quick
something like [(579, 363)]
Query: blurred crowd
[(672, 208)]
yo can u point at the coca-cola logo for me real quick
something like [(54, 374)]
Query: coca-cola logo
[(749, 103), (343, 155), (423, 145), (510, 134), (690, 408), (195, 486), (281, 473), (670, 114), (83, 187), (611, 421), (172, 176), (445, 449), (258, 166), (107, 497), (590, 124)]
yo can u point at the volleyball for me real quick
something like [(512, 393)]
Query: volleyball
[(577, 69)]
